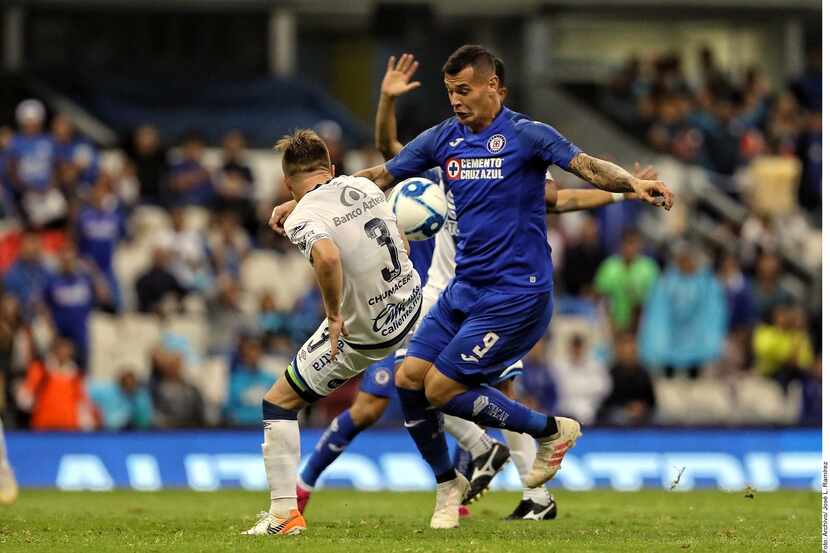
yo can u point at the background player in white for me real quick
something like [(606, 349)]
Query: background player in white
[(371, 295), (377, 385)]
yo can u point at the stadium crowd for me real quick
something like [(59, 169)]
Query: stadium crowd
[(149, 293)]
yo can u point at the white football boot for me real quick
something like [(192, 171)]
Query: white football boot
[(269, 524), (448, 496), (551, 451)]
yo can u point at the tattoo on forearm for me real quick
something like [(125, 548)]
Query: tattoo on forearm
[(602, 174)]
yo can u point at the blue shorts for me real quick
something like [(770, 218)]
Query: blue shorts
[(475, 335), (379, 378)]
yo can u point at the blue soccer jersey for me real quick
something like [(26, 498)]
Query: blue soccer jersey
[(497, 179)]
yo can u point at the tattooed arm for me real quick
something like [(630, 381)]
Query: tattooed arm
[(613, 178)]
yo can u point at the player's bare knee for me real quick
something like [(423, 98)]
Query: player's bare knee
[(410, 375), (507, 389)]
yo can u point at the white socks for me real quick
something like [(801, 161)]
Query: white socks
[(469, 435), (281, 451), (4, 461), (522, 453)]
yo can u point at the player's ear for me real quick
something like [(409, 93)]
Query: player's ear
[(332, 170)]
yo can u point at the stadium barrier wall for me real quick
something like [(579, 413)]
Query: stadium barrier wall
[(624, 460)]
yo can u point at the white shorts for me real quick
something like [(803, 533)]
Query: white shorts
[(313, 374)]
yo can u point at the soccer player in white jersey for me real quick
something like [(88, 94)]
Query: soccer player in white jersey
[(371, 295), (488, 455)]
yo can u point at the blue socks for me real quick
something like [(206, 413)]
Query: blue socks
[(424, 424), (339, 435), (489, 407)]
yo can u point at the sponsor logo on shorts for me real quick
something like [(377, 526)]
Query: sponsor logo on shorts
[(335, 383)]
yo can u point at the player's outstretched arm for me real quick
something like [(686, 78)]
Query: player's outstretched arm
[(613, 178), (396, 82), (565, 200), (325, 257), (378, 175)]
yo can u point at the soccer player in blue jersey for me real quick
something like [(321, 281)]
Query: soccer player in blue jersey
[(500, 302)]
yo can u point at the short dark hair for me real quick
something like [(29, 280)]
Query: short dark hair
[(500, 72), (473, 55), (303, 151)]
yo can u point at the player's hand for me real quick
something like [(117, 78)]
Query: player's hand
[(646, 173), (654, 192), (337, 328), (279, 215), (396, 82)]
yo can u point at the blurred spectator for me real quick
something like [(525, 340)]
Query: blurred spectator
[(332, 135), (99, 228), (248, 385), (722, 133), (738, 294), (631, 401), (176, 402), (11, 327), (808, 87), (767, 290), (538, 388), (124, 404), (582, 259), (228, 245), (76, 159), (191, 263), (808, 149), (71, 293), (31, 170), (235, 185), (150, 162), (31, 152), (581, 380), (685, 319), (782, 349), (158, 284), (226, 317), (625, 280), (275, 325), (27, 277), (811, 395), (54, 392), (189, 181)]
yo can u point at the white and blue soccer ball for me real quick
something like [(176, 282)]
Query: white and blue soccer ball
[(420, 207)]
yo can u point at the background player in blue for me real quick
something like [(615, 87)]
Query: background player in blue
[(500, 302)]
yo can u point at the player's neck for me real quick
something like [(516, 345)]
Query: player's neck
[(486, 120), (308, 182)]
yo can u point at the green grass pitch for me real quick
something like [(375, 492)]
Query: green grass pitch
[(346, 521)]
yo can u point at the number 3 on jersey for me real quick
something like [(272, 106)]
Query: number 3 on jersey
[(479, 352), (377, 229)]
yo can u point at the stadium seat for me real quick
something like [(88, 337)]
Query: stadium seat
[(286, 276), (103, 341), (129, 262), (194, 329), (196, 218)]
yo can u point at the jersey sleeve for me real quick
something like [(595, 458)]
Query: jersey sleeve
[(547, 144), (416, 157), (304, 231)]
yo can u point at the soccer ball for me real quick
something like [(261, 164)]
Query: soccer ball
[(420, 206)]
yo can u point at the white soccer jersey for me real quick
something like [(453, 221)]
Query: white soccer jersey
[(442, 267), (381, 289)]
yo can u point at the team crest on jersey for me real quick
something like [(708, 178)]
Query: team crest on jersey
[(351, 195), (382, 377), (496, 143)]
